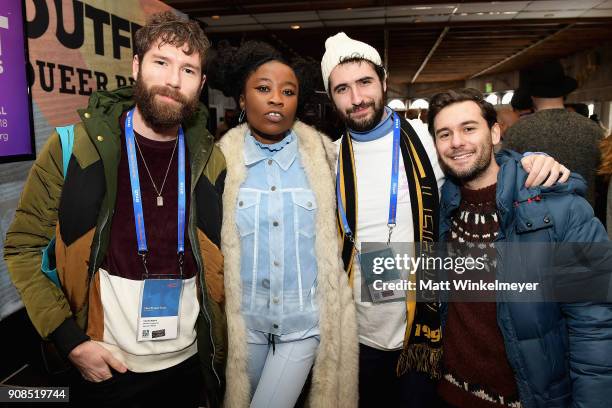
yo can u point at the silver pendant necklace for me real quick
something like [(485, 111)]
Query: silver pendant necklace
[(160, 198)]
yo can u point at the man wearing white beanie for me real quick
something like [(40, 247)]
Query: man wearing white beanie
[(400, 342)]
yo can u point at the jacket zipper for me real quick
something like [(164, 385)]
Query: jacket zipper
[(97, 249), (200, 262)]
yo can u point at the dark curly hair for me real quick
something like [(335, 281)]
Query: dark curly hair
[(443, 99), (230, 67)]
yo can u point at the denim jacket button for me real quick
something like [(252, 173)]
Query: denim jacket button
[(275, 300)]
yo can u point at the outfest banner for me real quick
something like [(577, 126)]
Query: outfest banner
[(75, 48), (79, 46)]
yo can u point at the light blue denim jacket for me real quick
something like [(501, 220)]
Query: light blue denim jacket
[(275, 216)]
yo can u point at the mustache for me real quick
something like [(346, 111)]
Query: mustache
[(360, 106), (169, 92)]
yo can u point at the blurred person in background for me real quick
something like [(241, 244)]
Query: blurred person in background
[(567, 136)]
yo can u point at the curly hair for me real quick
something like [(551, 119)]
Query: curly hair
[(605, 168), (230, 68), (172, 30)]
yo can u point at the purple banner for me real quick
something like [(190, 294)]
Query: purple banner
[(16, 141)]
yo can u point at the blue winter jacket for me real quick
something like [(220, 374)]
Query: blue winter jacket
[(561, 353)]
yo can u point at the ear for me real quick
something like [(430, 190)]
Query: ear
[(495, 134), (242, 102), (135, 66), (203, 82)]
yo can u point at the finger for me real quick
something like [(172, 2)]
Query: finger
[(540, 170), (552, 179), (97, 375), (530, 169), (565, 173), (553, 176), (114, 363)]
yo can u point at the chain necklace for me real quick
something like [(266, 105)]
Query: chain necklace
[(160, 199)]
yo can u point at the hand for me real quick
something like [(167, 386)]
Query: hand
[(541, 168), (94, 361)]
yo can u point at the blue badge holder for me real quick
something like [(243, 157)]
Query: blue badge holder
[(47, 266)]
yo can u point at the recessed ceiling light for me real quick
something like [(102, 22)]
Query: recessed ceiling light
[(349, 8), (480, 13), (295, 27), (422, 8), (510, 12), (464, 14), (215, 17)]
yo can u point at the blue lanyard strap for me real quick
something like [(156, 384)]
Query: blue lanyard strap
[(141, 236), (392, 220)]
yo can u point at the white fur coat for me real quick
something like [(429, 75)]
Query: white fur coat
[(335, 371)]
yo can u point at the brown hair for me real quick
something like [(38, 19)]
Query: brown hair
[(605, 168), (443, 99), (172, 30)]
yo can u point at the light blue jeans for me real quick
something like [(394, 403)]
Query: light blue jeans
[(277, 374)]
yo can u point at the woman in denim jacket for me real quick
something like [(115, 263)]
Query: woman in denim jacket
[(288, 303)]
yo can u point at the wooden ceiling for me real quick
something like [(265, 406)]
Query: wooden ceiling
[(424, 41)]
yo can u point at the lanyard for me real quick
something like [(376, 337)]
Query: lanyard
[(141, 236), (391, 221)]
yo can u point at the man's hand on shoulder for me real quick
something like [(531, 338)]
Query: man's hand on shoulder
[(543, 170), (94, 361)]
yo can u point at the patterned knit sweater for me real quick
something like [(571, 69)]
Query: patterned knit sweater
[(476, 372)]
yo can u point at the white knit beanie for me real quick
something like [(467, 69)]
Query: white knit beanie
[(340, 47)]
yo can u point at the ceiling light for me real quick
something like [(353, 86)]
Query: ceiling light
[(422, 8), (349, 8), (419, 104), (510, 12), (397, 104), (295, 27), (215, 17)]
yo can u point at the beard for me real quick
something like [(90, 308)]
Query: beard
[(368, 123), (160, 115), (482, 163)]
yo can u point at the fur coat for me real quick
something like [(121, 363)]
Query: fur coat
[(335, 371)]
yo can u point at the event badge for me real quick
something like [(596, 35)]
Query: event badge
[(160, 301), (374, 280)]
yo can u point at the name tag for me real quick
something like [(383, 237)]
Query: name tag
[(373, 280), (158, 318)]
